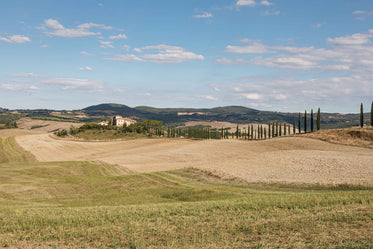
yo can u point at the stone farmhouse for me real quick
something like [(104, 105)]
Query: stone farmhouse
[(120, 121)]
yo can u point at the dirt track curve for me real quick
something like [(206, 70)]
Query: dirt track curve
[(288, 159)]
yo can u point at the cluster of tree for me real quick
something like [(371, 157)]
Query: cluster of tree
[(148, 127), (10, 125)]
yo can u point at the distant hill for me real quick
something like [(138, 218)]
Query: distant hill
[(178, 116), (233, 114)]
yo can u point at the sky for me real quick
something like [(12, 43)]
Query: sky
[(276, 55)]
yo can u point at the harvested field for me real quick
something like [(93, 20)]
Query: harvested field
[(44, 125), (286, 160), (362, 137)]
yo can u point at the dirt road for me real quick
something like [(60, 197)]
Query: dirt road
[(287, 159)]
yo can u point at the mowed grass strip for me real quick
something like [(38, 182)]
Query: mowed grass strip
[(90, 205), (10, 151)]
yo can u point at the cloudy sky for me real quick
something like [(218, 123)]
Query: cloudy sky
[(281, 55)]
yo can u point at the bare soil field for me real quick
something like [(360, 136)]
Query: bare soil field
[(295, 159)]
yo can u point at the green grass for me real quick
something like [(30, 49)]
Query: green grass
[(10, 152), (87, 204)]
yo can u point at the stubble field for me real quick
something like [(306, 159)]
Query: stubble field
[(291, 192)]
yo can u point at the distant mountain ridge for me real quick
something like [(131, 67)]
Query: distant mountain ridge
[(233, 114)]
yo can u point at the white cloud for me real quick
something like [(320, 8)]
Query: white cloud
[(351, 53), (54, 28), (251, 96), (317, 26), (85, 53), (203, 15), (15, 39), (272, 13), (266, 3), (26, 75), (250, 3), (126, 47), (165, 54), (255, 47), (120, 36), (17, 87), (355, 39), (86, 68), (44, 46), (208, 97), (124, 57), (72, 84), (106, 44), (170, 54)]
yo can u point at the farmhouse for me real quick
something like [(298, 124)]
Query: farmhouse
[(120, 121)]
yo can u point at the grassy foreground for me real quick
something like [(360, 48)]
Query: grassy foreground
[(89, 205)]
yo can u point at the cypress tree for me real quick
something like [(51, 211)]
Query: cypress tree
[(371, 115), (284, 129), (294, 129), (252, 132), (311, 120), (269, 130), (289, 129), (273, 129), (261, 132), (280, 130), (265, 133), (299, 124), (276, 128), (258, 132), (305, 121), (361, 115), (318, 119)]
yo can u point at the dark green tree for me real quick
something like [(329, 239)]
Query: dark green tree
[(311, 120), (294, 129), (361, 115), (305, 121), (299, 124), (269, 130), (318, 119), (280, 130), (371, 115), (284, 129), (276, 128), (265, 133), (273, 129)]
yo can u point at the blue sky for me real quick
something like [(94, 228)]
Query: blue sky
[(280, 55)]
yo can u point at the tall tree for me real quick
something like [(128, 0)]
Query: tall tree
[(305, 121), (273, 129), (361, 115), (276, 128), (311, 120), (294, 129), (280, 130), (284, 129), (265, 133), (371, 115), (299, 124), (269, 130), (318, 119)]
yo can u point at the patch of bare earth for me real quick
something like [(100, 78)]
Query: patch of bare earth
[(286, 160), (362, 137)]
